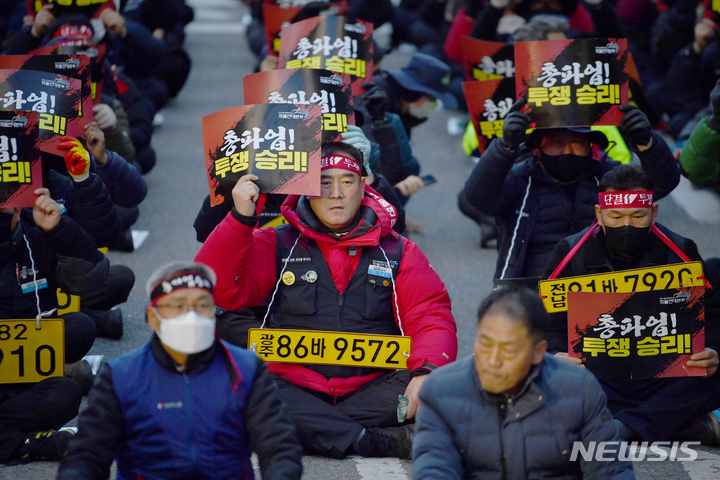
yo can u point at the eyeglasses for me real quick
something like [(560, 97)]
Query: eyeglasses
[(172, 310)]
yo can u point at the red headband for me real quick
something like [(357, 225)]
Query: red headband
[(634, 199), (340, 161), (68, 30)]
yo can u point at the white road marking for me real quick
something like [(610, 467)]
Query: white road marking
[(385, 468), (701, 205), (139, 237)]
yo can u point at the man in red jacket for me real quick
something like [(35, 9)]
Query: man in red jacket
[(338, 266)]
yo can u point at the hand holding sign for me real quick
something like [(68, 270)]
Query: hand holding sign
[(515, 126), (708, 358), (245, 195), (46, 212), (636, 126)]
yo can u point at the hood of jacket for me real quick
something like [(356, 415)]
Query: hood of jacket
[(376, 219)]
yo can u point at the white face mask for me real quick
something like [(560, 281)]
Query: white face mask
[(189, 333), (423, 111)]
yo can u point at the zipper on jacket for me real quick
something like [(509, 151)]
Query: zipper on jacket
[(188, 414), (341, 300)]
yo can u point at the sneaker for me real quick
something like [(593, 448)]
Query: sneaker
[(48, 446), (387, 442), (109, 323), (82, 373), (705, 429)]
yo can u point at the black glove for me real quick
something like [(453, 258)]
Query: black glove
[(635, 125), (375, 101), (514, 127), (713, 120)]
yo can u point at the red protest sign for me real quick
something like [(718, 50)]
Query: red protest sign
[(488, 103), (20, 164), (639, 334), (278, 143), (569, 83), (304, 86), (485, 60), (56, 99), (330, 43), (96, 54), (276, 16)]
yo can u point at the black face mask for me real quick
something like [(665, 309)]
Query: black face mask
[(5, 227), (626, 242), (566, 167)]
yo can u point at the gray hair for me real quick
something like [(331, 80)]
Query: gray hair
[(539, 27), (169, 270)]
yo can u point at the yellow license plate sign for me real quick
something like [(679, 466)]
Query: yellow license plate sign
[(67, 303), (28, 355), (677, 275), (330, 348)]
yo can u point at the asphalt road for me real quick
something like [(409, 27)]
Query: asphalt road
[(177, 185)]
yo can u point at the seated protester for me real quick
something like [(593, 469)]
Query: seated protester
[(184, 405), (166, 20), (126, 186), (655, 409), (232, 326), (391, 154), (326, 252), (700, 157), (519, 392), (129, 44), (545, 189), (64, 256), (684, 89)]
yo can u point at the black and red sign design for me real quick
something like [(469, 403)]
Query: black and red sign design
[(569, 83), (329, 43), (56, 98), (304, 86), (488, 103), (96, 54), (20, 164), (639, 334), (485, 60), (276, 16), (279, 143)]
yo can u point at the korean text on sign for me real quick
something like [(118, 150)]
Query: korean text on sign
[(554, 292), (330, 348)]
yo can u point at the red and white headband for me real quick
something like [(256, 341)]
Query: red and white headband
[(340, 161), (634, 199)]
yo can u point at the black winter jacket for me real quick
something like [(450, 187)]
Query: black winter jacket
[(534, 213)]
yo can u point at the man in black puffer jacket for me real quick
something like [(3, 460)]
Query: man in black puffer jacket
[(546, 189)]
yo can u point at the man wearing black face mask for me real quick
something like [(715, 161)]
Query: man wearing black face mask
[(653, 409), (543, 187)]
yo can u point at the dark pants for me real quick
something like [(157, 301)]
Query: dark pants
[(49, 404), (80, 333), (113, 292), (657, 407), (328, 425)]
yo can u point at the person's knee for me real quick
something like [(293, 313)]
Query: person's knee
[(63, 397), (80, 333)]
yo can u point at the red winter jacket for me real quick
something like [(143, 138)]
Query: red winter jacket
[(245, 263)]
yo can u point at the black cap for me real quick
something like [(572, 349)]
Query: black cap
[(596, 137)]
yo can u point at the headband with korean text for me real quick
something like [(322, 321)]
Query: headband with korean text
[(634, 199), (178, 281), (340, 161)]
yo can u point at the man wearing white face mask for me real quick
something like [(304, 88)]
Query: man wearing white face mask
[(184, 405)]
